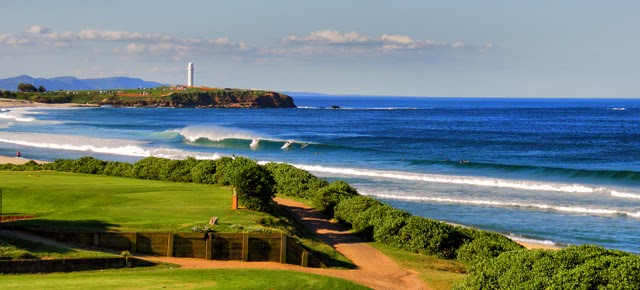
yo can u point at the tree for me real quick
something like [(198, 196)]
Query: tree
[(254, 184), (27, 88), (41, 89)]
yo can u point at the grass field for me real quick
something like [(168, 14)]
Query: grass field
[(439, 274), (153, 278), (13, 248), (92, 202)]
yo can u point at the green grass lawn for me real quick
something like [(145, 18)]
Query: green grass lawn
[(436, 273), (176, 279), (13, 248), (95, 202)]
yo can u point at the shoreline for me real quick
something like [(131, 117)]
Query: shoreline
[(15, 103), (21, 160)]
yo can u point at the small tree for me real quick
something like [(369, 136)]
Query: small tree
[(26, 88), (41, 89), (254, 184)]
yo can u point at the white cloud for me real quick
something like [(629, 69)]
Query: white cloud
[(38, 29)]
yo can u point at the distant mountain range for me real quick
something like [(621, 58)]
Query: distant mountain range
[(72, 83)]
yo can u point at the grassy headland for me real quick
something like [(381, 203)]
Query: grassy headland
[(163, 97)]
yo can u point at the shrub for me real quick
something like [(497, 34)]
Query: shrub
[(422, 235), (148, 168), (348, 209), (88, 165), (119, 169), (64, 165), (576, 267), (253, 183), (326, 198), (221, 177), (292, 181), (487, 246), (203, 172)]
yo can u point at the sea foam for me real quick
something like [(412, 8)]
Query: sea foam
[(470, 180)]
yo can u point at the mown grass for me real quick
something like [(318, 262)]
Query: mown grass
[(14, 248), (438, 274), (91, 202), (177, 279)]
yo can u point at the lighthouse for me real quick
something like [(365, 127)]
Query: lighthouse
[(190, 75)]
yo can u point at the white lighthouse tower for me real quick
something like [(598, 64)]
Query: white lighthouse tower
[(190, 75)]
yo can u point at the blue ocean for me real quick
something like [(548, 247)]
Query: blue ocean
[(552, 171)]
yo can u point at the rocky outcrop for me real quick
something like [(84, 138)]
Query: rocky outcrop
[(208, 99)]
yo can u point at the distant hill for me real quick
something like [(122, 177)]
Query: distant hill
[(72, 83)]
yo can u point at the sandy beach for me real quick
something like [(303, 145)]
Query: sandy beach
[(12, 103)]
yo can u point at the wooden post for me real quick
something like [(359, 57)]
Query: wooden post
[(208, 247), (170, 245), (134, 242), (305, 258), (96, 239), (245, 247), (234, 200), (283, 248)]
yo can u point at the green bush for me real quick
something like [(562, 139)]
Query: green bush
[(89, 165), (148, 168), (348, 209), (64, 165), (253, 183), (487, 246), (203, 172), (576, 267), (220, 176), (292, 181), (119, 169), (326, 198), (422, 235)]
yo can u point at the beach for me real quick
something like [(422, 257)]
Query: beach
[(13, 103)]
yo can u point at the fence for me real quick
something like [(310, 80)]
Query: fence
[(211, 246)]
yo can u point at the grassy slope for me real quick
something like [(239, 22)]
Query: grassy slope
[(435, 272), (177, 279), (13, 248), (89, 202)]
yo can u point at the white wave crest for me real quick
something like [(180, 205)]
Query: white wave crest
[(519, 238), (540, 206), (97, 145), (625, 194), (215, 133), (255, 143), (463, 180)]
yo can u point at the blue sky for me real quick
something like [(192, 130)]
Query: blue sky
[(413, 48)]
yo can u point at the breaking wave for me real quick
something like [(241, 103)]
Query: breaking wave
[(471, 180), (98, 145), (537, 206)]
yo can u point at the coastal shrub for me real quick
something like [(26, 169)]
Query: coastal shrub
[(253, 183), (348, 209), (203, 172), (485, 247), (575, 267), (63, 165), (326, 198), (29, 166), (88, 165), (422, 235), (177, 170), (222, 165), (148, 168), (119, 169), (292, 181), (379, 222)]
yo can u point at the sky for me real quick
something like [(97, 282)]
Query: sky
[(510, 48)]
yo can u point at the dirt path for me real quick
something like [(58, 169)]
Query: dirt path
[(374, 269)]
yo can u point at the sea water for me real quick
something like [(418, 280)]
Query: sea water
[(555, 171)]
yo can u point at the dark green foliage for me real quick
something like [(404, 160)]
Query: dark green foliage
[(41, 89), (348, 209), (576, 267), (221, 177), (119, 169), (27, 88), (292, 181), (29, 166), (422, 235), (326, 198), (484, 246), (88, 165), (253, 183), (149, 168), (203, 172), (64, 165)]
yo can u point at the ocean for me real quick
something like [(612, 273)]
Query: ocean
[(551, 171)]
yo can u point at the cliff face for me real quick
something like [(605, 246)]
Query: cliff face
[(209, 99)]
